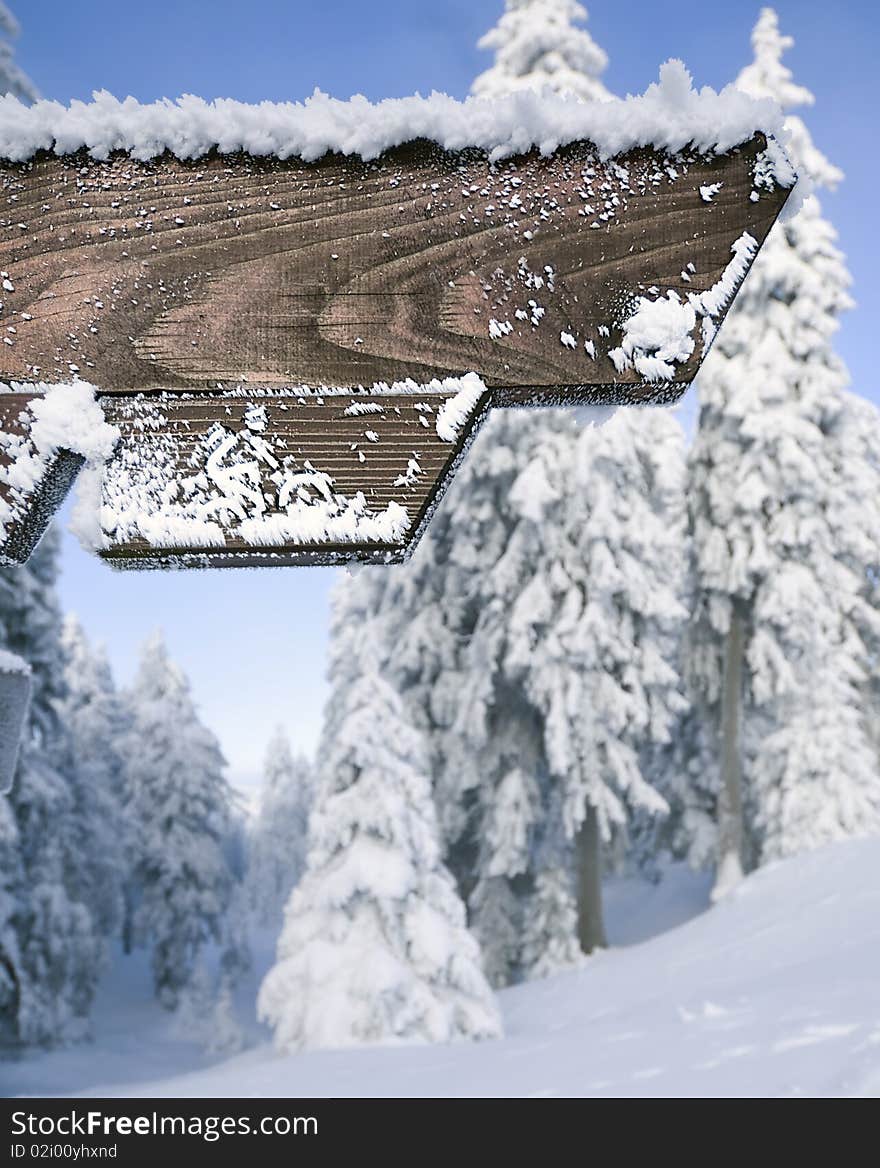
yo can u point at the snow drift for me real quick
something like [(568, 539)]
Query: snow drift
[(772, 992)]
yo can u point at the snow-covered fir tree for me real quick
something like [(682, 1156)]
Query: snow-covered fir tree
[(51, 947), (12, 78), (538, 44), (534, 637), (486, 751), (778, 656), (96, 718), (592, 584), (857, 534), (206, 1014), (278, 835), (375, 946), (493, 765), (180, 805)]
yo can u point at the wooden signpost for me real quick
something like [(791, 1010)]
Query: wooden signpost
[(232, 309)]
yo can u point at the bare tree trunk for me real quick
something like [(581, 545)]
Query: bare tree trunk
[(127, 920), (730, 817), (588, 850)]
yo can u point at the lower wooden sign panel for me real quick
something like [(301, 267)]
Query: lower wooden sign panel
[(275, 477)]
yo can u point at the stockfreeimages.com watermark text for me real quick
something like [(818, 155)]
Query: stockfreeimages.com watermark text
[(100, 1124)]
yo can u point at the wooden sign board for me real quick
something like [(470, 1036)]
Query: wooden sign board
[(198, 296)]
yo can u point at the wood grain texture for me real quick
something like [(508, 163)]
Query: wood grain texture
[(182, 275)]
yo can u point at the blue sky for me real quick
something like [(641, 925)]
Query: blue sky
[(254, 643)]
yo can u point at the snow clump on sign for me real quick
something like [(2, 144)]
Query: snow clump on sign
[(63, 417), (659, 334)]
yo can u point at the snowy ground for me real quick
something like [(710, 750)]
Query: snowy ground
[(773, 992)]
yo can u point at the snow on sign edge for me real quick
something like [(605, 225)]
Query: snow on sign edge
[(59, 417), (659, 334), (669, 115)]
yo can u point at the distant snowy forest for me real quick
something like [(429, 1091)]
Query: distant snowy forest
[(617, 645)]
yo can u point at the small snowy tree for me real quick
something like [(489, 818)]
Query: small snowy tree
[(278, 835), (777, 649), (550, 931), (374, 946), (206, 1014), (537, 45), (180, 805), (12, 79)]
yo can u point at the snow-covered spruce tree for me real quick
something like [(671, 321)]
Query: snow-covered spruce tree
[(493, 750), (857, 535), (532, 730), (592, 634), (374, 946), (277, 851), (12, 78), (51, 948), (777, 657), (538, 44), (180, 805), (421, 617), (96, 718), (485, 738)]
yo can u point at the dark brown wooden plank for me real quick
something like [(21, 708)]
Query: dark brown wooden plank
[(171, 275), (202, 480), (25, 513)]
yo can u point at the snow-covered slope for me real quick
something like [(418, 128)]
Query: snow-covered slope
[(775, 991)]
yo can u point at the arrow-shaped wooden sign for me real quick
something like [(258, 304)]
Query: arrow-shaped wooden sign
[(232, 308)]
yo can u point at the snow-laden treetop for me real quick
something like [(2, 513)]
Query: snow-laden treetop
[(768, 77), (537, 43), (670, 115), (12, 78)]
